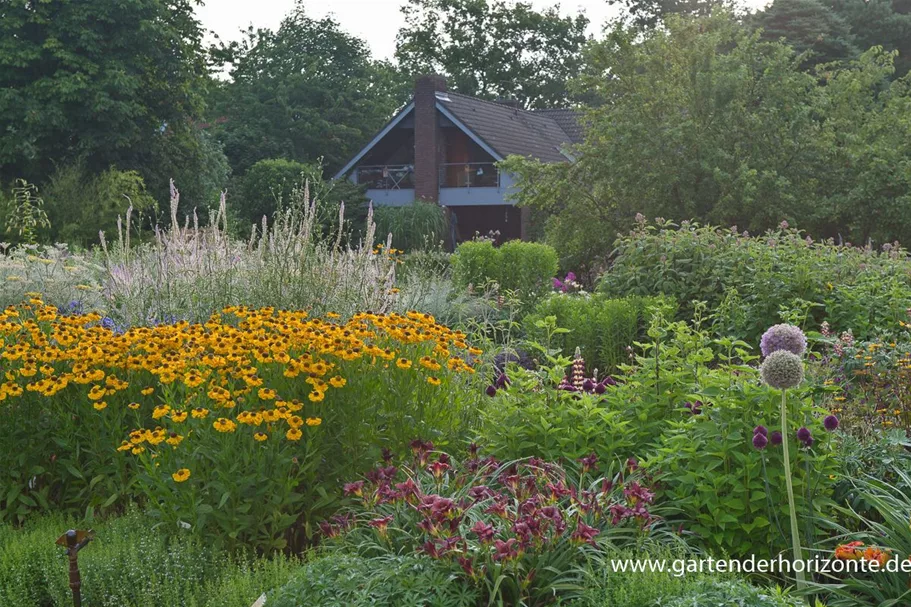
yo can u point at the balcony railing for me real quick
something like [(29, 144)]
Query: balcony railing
[(469, 175), (386, 177)]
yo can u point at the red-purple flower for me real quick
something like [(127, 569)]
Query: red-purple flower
[(775, 438), (356, 489), (760, 441), (484, 531), (830, 423), (588, 462), (381, 524), (507, 550), (584, 534)]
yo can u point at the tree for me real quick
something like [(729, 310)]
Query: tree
[(706, 121), (306, 91), (650, 13), (885, 23), (809, 26), (97, 82), (494, 48)]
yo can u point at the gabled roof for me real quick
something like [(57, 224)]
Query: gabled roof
[(508, 130)]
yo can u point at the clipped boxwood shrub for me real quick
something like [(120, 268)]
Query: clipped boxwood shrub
[(600, 326), (339, 579), (526, 268)]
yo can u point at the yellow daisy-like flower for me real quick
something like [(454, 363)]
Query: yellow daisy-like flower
[(125, 446), (403, 363), (199, 413), (433, 381), (133, 406), (338, 381), (294, 434), (146, 391), (160, 411), (174, 439), (178, 416), (223, 424), (100, 406), (267, 394), (181, 475), (295, 421), (314, 421), (260, 437), (332, 315), (316, 396), (137, 450)]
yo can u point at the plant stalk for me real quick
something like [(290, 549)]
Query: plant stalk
[(795, 534)]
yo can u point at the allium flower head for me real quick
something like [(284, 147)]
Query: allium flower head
[(830, 423), (803, 435), (775, 439), (761, 430), (783, 337), (782, 370), (760, 441)]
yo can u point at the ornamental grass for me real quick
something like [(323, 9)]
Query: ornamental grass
[(242, 424)]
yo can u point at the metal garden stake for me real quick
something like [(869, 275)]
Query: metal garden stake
[(74, 541)]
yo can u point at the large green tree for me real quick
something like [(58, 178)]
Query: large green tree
[(705, 120), (101, 84), (809, 26), (305, 91), (494, 48), (885, 23), (651, 13)]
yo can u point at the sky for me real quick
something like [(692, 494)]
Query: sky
[(376, 21)]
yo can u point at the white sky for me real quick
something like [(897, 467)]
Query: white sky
[(376, 21)]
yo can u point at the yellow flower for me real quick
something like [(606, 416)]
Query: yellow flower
[(199, 413), (160, 411), (138, 450), (403, 363), (133, 406), (295, 421), (314, 421), (181, 475), (267, 394), (316, 396), (224, 425), (433, 381), (174, 439), (146, 391), (260, 436), (338, 381), (294, 434), (178, 416), (125, 446), (100, 406)]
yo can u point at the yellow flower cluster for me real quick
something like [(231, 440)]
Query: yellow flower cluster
[(187, 371)]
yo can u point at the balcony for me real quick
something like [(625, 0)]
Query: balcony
[(469, 175), (386, 177)]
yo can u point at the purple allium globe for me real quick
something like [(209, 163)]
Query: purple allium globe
[(782, 369), (783, 337), (808, 443), (491, 390), (803, 435), (830, 423), (761, 430), (775, 438), (760, 441)]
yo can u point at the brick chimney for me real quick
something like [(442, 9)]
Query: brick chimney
[(428, 140)]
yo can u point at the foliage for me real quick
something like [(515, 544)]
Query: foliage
[(518, 530), (730, 489), (880, 22), (749, 281), (809, 26), (80, 205), (602, 328), (419, 225), (649, 14), (210, 419), (884, 530), (526, 268), (493, 48), (123, 92), (131, 563), (305, 91), (25, 214), (338, 579), (703, 120), (658, 588)]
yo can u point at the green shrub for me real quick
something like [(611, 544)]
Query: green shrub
[(130, 563), (342, 580), (601, 327), (748, 280), (475, 263), (79, 204), (416, 226), (266, 186), (526, 268)]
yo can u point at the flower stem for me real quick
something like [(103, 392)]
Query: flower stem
[(795, 534)]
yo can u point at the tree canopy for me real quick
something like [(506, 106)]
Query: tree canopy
[(705, 120), (305, 91), (494, 48)]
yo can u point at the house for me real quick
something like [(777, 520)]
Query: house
[(443, 147)]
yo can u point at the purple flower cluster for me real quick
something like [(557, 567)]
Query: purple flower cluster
[(492, 513), (783, 337), (760, 437), (568, 282), (804, 436), (695, 407)]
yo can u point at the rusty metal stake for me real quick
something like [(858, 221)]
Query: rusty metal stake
[(74, 541)]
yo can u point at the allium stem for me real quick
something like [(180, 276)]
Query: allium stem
[(795, 534)]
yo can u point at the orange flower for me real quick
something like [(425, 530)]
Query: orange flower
[(875, 554), (849, 552)]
